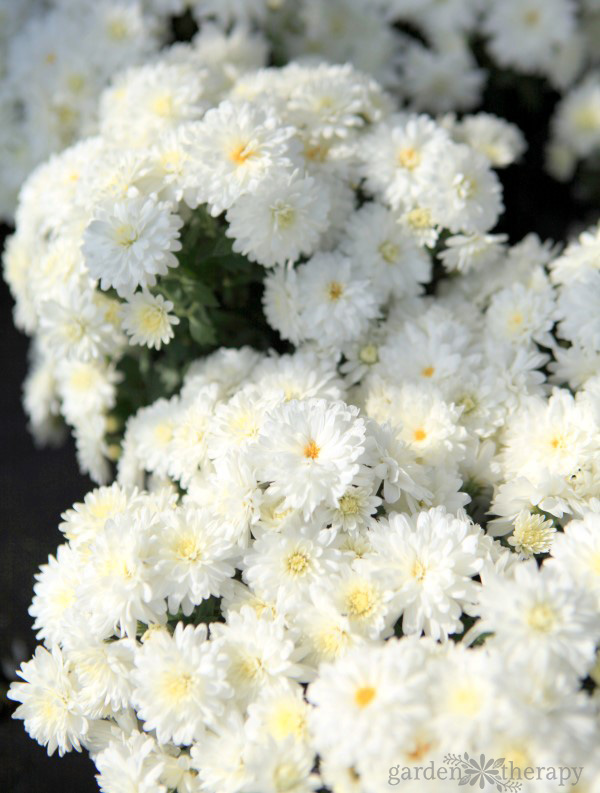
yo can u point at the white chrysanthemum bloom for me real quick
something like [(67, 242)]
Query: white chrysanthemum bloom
[(335, 302), (279, 714), (237, 423), (396, 154), (371, 685), (148, 321), (132, 763), (103, 671), (355, 509), (220, 757), (301, 375), (234, 495), (539, 619), (501, 142), (578, 310), (441, 79), (188, 445), (282, 567), (87, 388), (84, 520), (233, 149), (309, 451), (49, 701), (526, 33), (77, 328), (282, 219), (532, 534), (520, 315), (383, 252), (327, 633), (180, 685), (130, 242), (116, 589), (576, 122), (466, 691), (554, 437), (429, 562), (280, 767), (260, 653), (422, 419), (149, 435), (576, 552), (190, 557), (462, 191), (362, 600), (55, 592)]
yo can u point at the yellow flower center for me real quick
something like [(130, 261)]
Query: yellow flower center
[(297, 563), (369, 354), (408, 158), (389, 252), (311, 450), (541, 618), (163, 106), (428, 371), (418, 570), (241, 153), (419, 434), (163, 433), (465, 701), (177, 686), (335, 290), (364, 695), (419, 218), (186, 548), (360, 601), (349, 504)]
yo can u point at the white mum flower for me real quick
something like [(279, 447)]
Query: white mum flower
[(540, 619), (49, 702), (130, 242), (132, 763), (232, 150), (428, 561), (336, 303), (576, 552), (283, 566), (309, 450), (148, 321), (260, 652), (279, 221), (116, 587), (462, 191), (357, 699), (180, 685), (190, 556)]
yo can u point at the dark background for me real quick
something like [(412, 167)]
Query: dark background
[(36, 485)]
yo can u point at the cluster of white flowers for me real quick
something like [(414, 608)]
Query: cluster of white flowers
[(61, 54), (293, 584), (284, 160), (235, 627), (56, 60)]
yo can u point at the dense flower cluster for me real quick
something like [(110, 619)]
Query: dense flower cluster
[(55, 59), (437, 56), (306, 164), (355, 521), (238, 620)]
